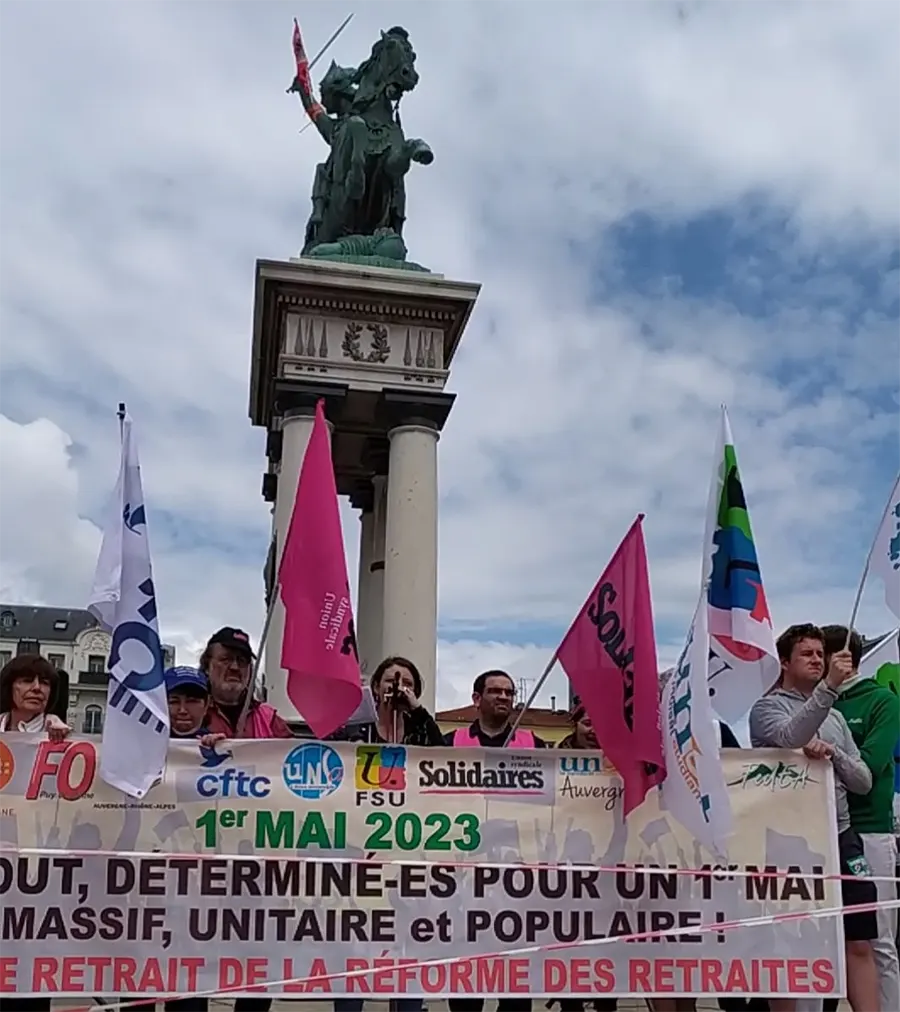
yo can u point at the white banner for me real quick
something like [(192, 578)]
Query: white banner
[(299, 863)]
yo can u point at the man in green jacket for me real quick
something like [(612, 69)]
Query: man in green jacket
[(873, 715)]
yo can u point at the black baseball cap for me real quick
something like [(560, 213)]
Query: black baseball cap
[(232, 639)]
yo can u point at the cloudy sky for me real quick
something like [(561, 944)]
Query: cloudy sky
[(668, 206)]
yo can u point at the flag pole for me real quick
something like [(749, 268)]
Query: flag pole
[(865, 573), (121, 416), (322, 52), (254, 673), (529, 702)]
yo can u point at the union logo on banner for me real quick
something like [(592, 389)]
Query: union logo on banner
[(7, 765)]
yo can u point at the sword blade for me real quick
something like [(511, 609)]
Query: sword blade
[(327, 45)]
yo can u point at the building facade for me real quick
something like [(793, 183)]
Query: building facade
[(72, 641)]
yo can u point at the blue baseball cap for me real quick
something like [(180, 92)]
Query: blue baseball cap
[(182, 678)]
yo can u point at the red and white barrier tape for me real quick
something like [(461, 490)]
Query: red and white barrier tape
[(718, 872), (641, 936)]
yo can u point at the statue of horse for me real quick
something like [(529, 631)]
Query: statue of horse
[(362, 186)]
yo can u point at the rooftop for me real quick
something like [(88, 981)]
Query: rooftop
[(46, 625)]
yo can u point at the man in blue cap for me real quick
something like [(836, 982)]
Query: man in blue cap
[(188, 692)]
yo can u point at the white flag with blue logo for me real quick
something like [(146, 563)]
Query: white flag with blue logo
[(136, 728), (885, 558), (694, 790)]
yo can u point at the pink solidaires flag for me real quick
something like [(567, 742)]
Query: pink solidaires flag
[(319, 647), (609, 654)]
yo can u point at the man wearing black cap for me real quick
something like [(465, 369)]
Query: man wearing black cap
[(228, 663)]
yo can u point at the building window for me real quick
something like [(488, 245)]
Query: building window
[(93, 720), (5, 657), (96, 663), (57, 660), (61, 624), (7, 619)]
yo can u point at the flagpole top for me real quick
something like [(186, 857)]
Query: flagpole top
[(641, 517), (121, 411)]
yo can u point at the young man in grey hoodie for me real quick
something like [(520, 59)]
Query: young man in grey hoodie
[(799, 713)]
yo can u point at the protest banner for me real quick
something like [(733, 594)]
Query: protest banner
[(301, 863)]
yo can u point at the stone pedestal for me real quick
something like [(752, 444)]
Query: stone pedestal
[(376, 346)]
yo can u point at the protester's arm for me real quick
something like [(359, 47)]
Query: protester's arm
[(849, 765), (877, 749), (772, 725), (344, 733), (280, 728), (56, 729), (421, 721)]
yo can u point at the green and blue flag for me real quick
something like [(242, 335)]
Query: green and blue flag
[(743, 662)]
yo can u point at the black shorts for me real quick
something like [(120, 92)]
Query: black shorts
[(858, 927)]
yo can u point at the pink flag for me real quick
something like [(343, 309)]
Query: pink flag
[(319, 648), (609, 654)]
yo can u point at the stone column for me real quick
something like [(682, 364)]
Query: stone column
[(376, 569), (365, 619), (297, 425), (410, 562)]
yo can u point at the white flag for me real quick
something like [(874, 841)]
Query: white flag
[(136, 728), (882, 662), (743, 660), (694, 790), (885, 559)]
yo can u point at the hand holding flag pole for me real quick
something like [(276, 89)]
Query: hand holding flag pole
[(303, 64), (300, 58)]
